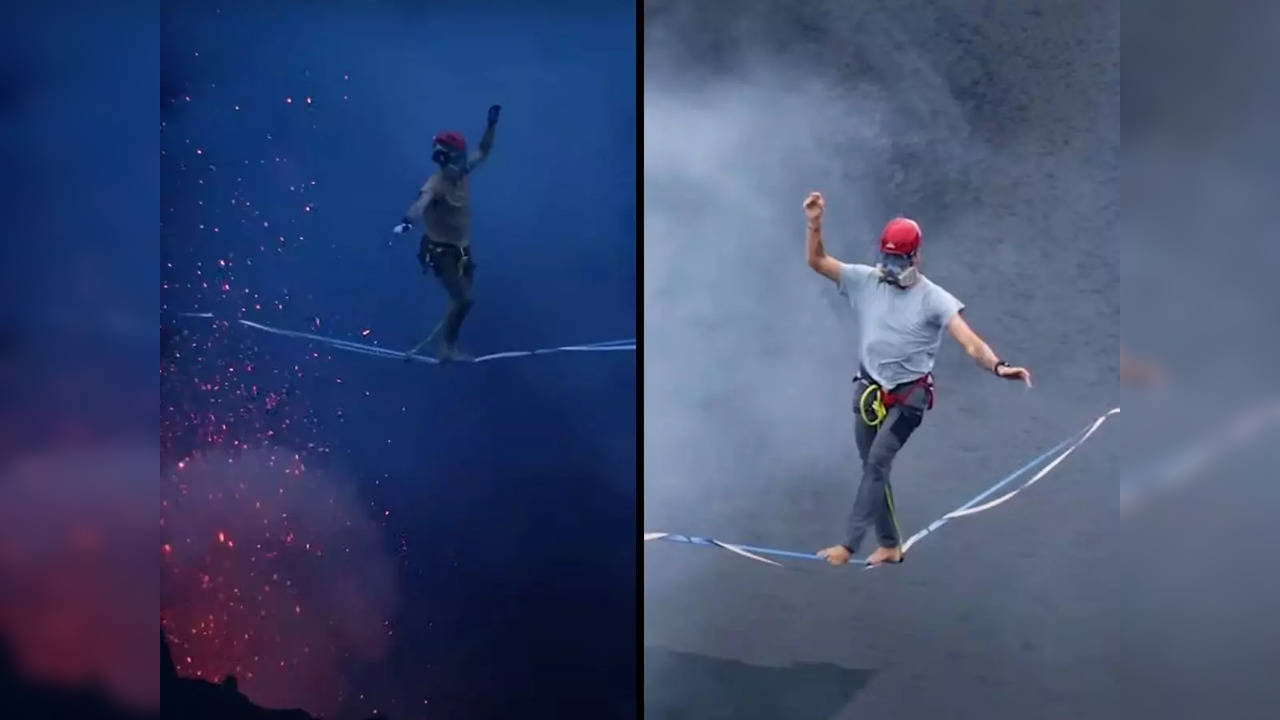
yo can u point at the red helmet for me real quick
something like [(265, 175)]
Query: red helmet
[(901, 236), (451, 140)]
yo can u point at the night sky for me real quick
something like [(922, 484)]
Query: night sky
[(348, 533)]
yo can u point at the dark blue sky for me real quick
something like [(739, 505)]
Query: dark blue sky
[(504, 493)]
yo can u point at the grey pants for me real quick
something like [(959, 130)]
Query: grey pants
[(877, 446)]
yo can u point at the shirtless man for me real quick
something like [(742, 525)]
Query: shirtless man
[(444, 209)]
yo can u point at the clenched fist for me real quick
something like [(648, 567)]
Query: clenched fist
[(813, 206)]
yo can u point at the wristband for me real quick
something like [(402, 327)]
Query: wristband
[(999, 363)]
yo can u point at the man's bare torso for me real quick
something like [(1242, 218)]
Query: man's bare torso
[(447, 217)]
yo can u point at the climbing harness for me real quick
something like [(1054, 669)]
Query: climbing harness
[(876, 399)]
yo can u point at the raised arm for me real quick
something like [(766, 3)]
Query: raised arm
[(981, 353), (486, 141), (815, 254)]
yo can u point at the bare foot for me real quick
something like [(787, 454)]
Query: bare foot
[(836, 554), (883, 555)]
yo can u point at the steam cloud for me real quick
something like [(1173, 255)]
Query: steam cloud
[(274, 573)]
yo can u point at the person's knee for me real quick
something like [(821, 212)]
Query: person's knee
[(880, 456), (878, 465)]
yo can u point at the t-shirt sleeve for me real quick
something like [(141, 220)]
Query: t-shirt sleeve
[(944, 305), (853, 277)]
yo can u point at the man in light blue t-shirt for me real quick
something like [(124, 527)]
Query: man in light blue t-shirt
[(901, 316)]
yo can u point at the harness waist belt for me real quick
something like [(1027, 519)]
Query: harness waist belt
[(899, 393)]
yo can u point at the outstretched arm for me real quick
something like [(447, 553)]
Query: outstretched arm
[(981, 353), (486, 140), (815, 254), (417, 208)]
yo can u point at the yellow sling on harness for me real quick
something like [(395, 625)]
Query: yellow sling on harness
[(877, 405), (880, 408)]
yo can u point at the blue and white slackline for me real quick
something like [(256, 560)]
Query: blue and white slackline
[(627, 345), (973, 507)]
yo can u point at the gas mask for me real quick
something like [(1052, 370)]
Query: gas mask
[(449, 149), (898, 270), (444, 156)]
